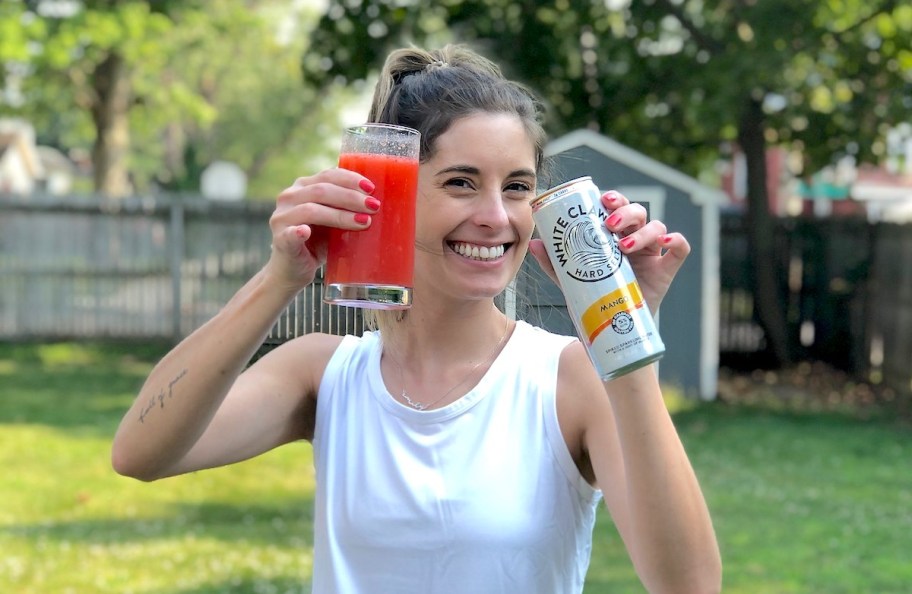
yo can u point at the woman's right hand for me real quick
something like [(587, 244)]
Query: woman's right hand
[(304, 213)]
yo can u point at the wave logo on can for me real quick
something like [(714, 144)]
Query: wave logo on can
[(582, 248)]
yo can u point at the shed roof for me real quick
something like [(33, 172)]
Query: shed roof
[(700, 193)]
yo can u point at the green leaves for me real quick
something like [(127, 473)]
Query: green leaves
[(669, 78), (207, 80)]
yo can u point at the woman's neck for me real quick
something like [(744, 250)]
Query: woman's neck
[(441, 334)]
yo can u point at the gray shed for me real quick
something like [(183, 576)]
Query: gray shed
[(689, 316)]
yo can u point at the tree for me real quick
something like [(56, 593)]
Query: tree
[(820, 77), (87, 59), (258, 112), (675, 79), (161, 88)]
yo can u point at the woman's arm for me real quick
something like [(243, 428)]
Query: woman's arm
[(197, 409), (630, 447), (623, 438), (182, 395)]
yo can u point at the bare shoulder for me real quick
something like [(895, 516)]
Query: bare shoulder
[(295, 369), (578, 384), (306, 356)]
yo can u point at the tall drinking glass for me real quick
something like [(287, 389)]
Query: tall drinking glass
[(373, 268)]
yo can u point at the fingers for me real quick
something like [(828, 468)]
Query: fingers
[(292, 240), (333, 198), (304, 214), (647, 237), (613, 199), (624, 217), (676, 247), (630, 222)]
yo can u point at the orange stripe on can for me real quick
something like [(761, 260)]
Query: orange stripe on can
[(600, 314)]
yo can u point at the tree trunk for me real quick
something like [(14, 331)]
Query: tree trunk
[(110, 109), (765, 265)]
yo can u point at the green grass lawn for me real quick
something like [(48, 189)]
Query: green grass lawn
[(802, 503)]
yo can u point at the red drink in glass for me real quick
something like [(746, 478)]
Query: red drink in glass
[(373, 268)]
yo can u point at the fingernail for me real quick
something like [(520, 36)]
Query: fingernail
[(372, 204), (627, 242), (666, 239), (613, 220), (610, 196), (362, 219), (367, 185)]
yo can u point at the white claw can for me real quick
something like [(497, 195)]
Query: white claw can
[(603, 296)]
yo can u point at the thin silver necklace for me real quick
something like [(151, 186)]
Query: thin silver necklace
[(422, 406)]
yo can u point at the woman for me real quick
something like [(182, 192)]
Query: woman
[(456, 450)]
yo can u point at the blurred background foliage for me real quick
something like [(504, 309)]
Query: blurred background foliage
[(672, 78), (683, 81), (152, 92)]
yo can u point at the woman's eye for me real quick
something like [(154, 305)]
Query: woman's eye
[(459, 182), (518, 189)]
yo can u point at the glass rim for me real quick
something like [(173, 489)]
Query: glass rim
[(378, 125)]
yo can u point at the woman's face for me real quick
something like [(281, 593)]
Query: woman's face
[(474, 219)]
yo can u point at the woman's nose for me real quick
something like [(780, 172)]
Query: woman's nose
[(490, 210)]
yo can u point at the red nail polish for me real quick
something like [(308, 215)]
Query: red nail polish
[(362, 219), (372, 204), (610, 195), (627, 242), (367, 185), (613, 220), (666, 239)]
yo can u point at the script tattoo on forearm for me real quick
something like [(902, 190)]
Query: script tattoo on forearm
[(158, 400)]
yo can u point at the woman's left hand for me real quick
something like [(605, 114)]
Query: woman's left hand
[(655, 254)]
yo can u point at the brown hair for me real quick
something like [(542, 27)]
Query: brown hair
[(429, 90)]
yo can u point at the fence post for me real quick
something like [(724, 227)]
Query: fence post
[(176, 253)]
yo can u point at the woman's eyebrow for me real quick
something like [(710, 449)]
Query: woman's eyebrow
[(522, 173), (469, 169), (472, 170)]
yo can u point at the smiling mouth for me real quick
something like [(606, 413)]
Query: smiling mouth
[(479, 252)]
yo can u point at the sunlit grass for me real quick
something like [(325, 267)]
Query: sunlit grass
[(68, 523), (803, 503)]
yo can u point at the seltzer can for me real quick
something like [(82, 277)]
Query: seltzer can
[(603, 297)]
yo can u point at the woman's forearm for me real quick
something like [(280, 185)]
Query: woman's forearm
[(676, 548), (181, 395)]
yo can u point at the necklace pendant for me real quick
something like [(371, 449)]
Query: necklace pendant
[(412, 403), (422, 406)]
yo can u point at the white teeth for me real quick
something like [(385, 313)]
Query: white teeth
[(477, 252)]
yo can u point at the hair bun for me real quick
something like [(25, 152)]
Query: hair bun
[(436, 65)]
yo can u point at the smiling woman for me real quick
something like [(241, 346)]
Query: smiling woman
[(455, 449), (474, 193)]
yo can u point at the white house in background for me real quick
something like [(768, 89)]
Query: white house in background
[(59, 170), (887, 196), (21, 170), (26, 168)]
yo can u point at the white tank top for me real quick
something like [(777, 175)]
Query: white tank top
[(481, 496)]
